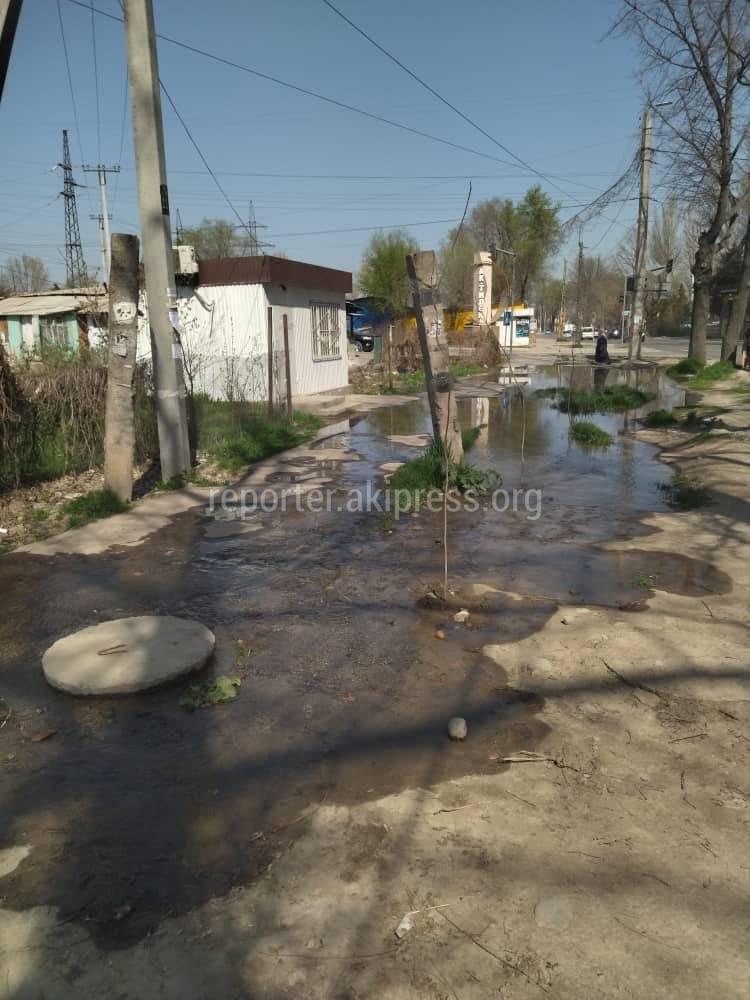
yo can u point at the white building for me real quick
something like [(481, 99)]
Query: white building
[(516, 327), (224, 327)]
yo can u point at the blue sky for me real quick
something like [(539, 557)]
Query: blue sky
[(538, 75)]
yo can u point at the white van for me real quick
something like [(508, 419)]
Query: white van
[(588, 333)]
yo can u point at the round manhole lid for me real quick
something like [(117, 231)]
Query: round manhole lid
[(127, 655)]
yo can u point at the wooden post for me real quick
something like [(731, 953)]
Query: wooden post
[(288, 367), (422, 271), (390, 357), (270, 362), (119, 434)]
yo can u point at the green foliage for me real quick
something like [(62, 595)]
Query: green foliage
[(469, 437), (383, 276), (415, 381), (530, 228), (660, 418), (457, 270), (234, 435), (549, 393), (92, 506), (711, 374), (685, 493), (688, 366), (427, 472), (586, 433), (217, 238), (612, 398), (216, 692)]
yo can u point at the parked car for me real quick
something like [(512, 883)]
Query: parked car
[(588, 333), (362, 340)]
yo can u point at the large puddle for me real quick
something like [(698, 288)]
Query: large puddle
[(562, 498), (594, 493)]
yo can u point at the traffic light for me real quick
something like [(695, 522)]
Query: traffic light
[(630, 284), (621, 300), (670, 265), (493, 251)]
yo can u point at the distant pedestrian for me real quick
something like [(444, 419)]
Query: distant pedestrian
[(601, 354)]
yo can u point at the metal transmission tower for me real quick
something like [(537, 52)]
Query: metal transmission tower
[(75, 266), (255, 244)]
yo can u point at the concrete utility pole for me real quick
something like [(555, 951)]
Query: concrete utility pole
[(579, 293), (639, 296), (153, 202), (119, 433), (422, 271), (103, 218), (563, 289), (10, 11)]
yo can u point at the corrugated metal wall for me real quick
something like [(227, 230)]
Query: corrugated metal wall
[(308, 375), (225, 340)]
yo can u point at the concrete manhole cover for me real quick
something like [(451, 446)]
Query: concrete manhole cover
[(127, 655)]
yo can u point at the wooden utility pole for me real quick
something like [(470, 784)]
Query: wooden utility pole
[(10, 11), (156, 230), (422, 271), (287, 369), (637, 325), (390, 357), (119, 429)]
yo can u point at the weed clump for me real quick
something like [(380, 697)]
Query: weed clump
[(685, 493), (92, 506), (660, 418), (587, 433)]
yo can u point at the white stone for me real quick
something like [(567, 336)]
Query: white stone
[(127, 655), (457, 728)]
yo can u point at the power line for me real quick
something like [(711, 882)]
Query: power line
[(96, 86), (72, 91), (443, 100), (366, 229), (205, 162), (122, 140), (309, 93)]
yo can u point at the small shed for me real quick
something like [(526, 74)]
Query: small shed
[(66, 317), (224, 327)]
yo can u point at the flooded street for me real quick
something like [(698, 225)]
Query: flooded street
[(138, 810)]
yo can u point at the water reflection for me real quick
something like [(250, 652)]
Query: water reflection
[(525, 438)]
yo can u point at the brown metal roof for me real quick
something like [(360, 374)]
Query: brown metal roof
[(272, 270)]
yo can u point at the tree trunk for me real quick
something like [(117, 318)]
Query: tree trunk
[(119, 434), (736, 325), (702, 273), (422, 270)]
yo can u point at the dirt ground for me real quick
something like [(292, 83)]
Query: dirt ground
[(589, 839)]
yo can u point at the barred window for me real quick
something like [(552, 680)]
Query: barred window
[(326, 331), (53, 331)]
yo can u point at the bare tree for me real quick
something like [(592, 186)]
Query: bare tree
[(695, 58), (26, 274)]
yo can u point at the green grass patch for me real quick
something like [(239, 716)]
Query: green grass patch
[(405, 382), (216, 692), (685, 493), (470, 435), (688, 366), (610, 399), (660, 418), (234, 435), (92, 506), (549, 393), (586, 433), (701, 376), (711, 374), (427, 472)]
